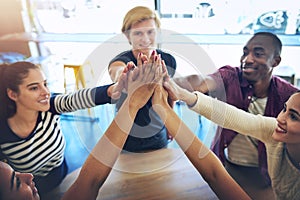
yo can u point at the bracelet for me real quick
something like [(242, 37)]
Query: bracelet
[(195, 101)]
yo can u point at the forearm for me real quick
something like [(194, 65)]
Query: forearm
[(98, 165), (196, 82), (115, 70), (230, 117), (108, 148), (213, 172), (188, 97), (87, 186), (190, 82), (207, 164)]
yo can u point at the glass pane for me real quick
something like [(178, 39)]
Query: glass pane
[(231, 16), (84, 16)]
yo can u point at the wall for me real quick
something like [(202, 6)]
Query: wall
[(11, 22)]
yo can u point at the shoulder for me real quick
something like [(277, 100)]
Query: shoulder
[(227, 73), (169, 60), (124, 56), (282, 86), (167, 57), (229, 69), (125, 53), (55, 101), (281, 90), (6, 132)]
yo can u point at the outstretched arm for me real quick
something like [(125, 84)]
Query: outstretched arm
[(207, 164), (118, 72), (223, 114), (196, 82), (141, 84)]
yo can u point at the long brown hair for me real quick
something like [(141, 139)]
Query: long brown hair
[(11, 76)]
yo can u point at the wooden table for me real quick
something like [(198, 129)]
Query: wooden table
[(162, 174)]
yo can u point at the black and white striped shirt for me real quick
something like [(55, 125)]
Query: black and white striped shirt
[(43, 149)]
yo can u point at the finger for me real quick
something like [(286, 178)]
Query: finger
[(144, 58), (130, 66), (165, 71), (116, 95), (151, 71), (159, 70), (159, 74), (126, 81), (158, 60), (139, 59), (136, 74), (130, 75), (143, 73), (152, 56)]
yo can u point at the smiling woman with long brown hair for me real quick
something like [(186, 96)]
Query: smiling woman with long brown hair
[(31, 139)]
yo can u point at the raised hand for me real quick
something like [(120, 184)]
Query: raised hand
[(143, 79), (160, 101), (178, 93), (121, 85), (173, 89)]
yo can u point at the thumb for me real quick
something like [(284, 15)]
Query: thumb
[(116, 95), (166, 84)]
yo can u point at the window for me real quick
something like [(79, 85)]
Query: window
[(72, 29), (204, 21), (231, 16)]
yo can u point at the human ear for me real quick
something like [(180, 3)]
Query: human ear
[(276, 61), (11, 94), (128, 37)]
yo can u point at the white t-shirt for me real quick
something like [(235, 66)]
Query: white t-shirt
[(243, 149)]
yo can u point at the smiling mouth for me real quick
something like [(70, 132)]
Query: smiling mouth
[(280, 130), (149, 45), (44, 101), (248, 67)]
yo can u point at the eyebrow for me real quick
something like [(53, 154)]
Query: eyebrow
[(12, 180), (31, 84), (259, 49), (294, 111)]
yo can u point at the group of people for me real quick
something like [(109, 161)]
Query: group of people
[(33, 145)]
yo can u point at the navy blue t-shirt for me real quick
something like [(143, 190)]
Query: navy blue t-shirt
[(148, 132)]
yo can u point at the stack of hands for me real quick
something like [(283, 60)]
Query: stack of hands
[(148, 79)]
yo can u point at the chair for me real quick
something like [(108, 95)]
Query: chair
[(79, 79), (80, 70), (78, 74)]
